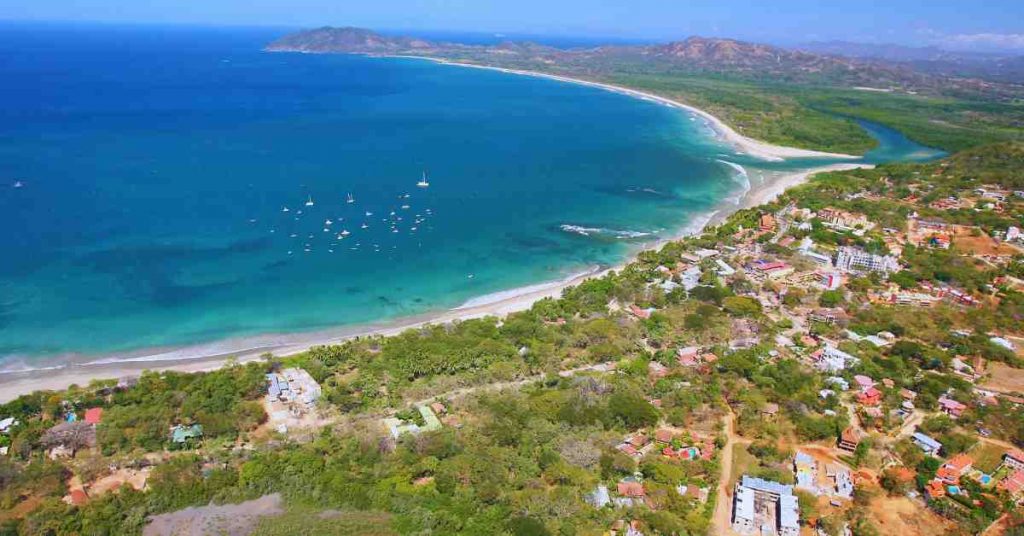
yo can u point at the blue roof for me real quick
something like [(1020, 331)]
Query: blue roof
[(761, 484), (927, 441)]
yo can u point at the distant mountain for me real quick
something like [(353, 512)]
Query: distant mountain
[(727, 57), (932, 60)]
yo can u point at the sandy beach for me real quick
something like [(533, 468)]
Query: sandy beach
[(204, 357), (750, 146)]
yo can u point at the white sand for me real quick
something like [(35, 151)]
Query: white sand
[(758, 149), (216, 355)]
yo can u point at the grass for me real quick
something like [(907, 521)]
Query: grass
[(987, 456), (817, 117), (742, 462)]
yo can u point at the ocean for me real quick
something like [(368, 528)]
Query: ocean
[(162, 187)]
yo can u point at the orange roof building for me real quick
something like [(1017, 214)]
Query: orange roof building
[(93, 415), (631, 489)]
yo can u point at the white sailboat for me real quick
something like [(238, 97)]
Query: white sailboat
[(364, 226), (350, 199), (423, 181), (18, 184), (309, 203)]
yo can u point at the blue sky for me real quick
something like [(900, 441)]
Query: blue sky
[(960, 24)]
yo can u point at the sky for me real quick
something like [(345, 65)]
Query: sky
[(951, 24)]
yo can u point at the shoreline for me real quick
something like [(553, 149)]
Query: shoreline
[(746, 145), (217, 354), (502, 303)]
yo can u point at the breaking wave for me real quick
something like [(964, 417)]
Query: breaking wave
[(600, 231)]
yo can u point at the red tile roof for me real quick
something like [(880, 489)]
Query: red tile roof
[(1014, 483), (78, 497), (631, 489), (93, 415)]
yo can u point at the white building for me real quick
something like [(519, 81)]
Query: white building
[(851, 259), (743, 511)]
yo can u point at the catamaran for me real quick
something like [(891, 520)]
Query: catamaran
[(423, 182), (350, 199)]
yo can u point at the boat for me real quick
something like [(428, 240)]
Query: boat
[(423, 182), (328, 222), (309, 203), (368, 214), (405, 207), (345, 232), (18, 184), (364, 226), (285, 209), (350, 199)]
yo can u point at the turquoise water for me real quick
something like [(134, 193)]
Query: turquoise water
[(155, 165)]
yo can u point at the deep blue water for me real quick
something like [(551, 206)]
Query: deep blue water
[(156, 164)]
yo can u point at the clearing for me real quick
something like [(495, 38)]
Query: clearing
[(903, 516), (1004, 378), (224, 520)]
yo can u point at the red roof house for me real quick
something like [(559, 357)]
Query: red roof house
[(951, 407), (93, 415), (869, 397), (631, 489), (954, 468)]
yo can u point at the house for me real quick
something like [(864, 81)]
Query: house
[(829, 315), (765, 507), (630, 489), (1014, 459), (767, 222), (869, 397), (954, 468), (832, 359), (664, 435), (805, 468), (863, 382), (1014, 484), (642, 314), (181, 433), (934, 489), (842, 481), (7, 424), (66, 438), (438, 408), (849, 439), (93, 415), (852, 259), (688, 357), (769, 411), (599, 498), (743, 520), (927, 444), (951, 407), (656, 370)]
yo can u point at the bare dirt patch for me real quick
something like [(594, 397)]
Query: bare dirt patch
[(1004, 378), (900, 515), (224, 520)]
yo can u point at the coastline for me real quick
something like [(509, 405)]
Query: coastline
[(14, 384), (211, 356), (749, 146)]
